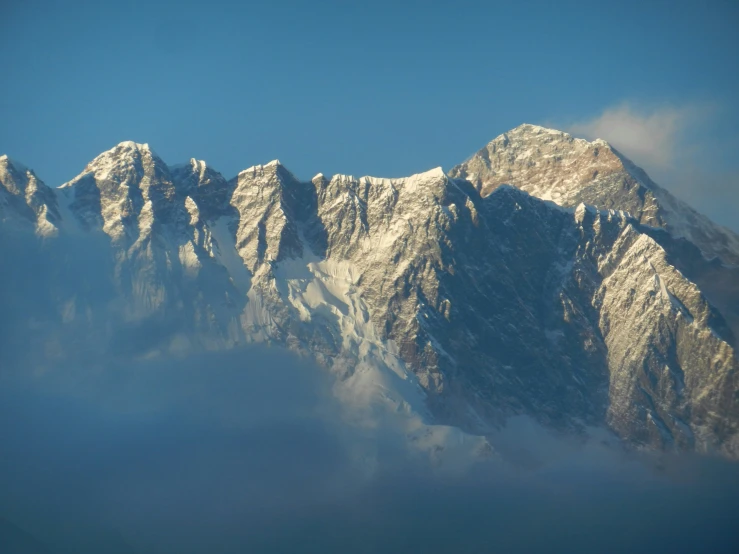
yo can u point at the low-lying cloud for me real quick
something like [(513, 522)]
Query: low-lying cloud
[(247, 451)]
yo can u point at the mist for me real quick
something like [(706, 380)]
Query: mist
[(249, 451)]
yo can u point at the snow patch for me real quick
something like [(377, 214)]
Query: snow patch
[(14, 163), (189, 258), (226, 254), (192, 209), (374, 382)]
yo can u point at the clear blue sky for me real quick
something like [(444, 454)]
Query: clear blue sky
[(382, 88)]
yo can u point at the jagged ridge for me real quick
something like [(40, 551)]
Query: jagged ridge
[(476, 300)]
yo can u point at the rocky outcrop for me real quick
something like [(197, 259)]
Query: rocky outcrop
[(555, 166), (546, 276)]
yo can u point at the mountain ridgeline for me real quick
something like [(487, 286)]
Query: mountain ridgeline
[(546, 276)]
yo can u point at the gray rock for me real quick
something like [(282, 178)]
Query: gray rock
[(546, 276)]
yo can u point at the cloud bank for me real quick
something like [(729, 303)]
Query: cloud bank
[(247, 451), (250, 451)]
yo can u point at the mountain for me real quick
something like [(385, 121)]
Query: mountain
[(553, 165), (26, 199), (547, 276)]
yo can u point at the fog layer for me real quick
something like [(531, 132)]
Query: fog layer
[(248, 451)]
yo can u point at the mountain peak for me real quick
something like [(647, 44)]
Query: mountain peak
[(545, 162), (8, 161), (528, 133), (553, 165), (319, 178), (133, 145), (273, 172), (124, 158), (128, 149), (260, 168), (413, 288), (528, 128), (431, 174), (193, 164)]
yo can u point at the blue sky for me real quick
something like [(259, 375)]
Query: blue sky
[(381, 88)]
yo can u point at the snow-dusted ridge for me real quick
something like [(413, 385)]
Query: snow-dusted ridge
[(261, 167), (26, 200), (546, 276), (431, 173), (15, 163), (553, 165)]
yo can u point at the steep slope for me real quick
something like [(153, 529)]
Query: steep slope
[(208, 189), (460, 301), (162, 250), (264, 200), (25, 198), (507, 305), (553, 165)]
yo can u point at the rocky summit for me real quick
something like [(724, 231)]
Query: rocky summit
[(546, 276)]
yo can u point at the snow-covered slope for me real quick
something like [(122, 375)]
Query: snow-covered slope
[(553, 165), (448, 304), (26, 199), (165, 266)]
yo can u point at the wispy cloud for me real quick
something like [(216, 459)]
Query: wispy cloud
[(673, 144), (655, 138)]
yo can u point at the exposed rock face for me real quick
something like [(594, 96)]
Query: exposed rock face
[(264, 198), (464, 298), (208, 189), (553, 165), (164, 268), (26, 198)]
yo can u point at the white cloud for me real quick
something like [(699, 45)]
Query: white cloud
[(674, 145), (653, 138)]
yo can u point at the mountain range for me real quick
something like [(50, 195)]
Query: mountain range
[(546, 276)]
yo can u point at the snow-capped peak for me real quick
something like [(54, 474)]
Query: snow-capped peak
[(528, 135), (199, 166), (547, 163), (259, 168), (125, 157), (435, 173), (193, 163), (492, 307), (127, 149), (18, 166), (535, 129), (133, 145), (260, 174), (554, 165)]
